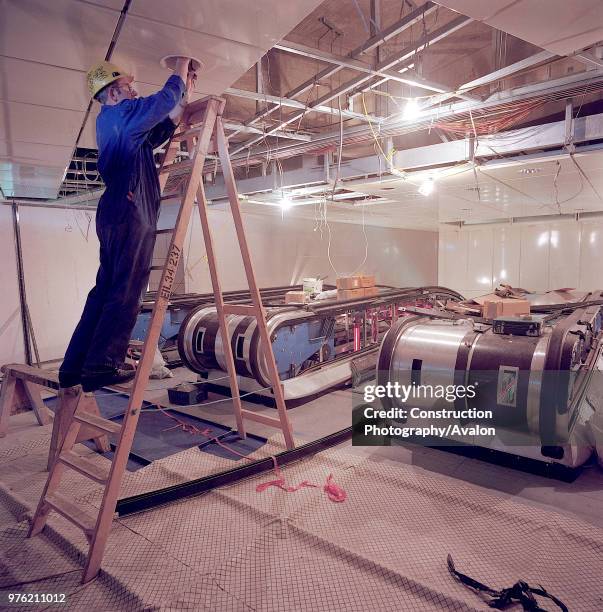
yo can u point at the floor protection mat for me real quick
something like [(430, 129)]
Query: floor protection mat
[(235, 548), (162, 433)]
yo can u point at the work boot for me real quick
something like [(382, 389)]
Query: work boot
[(93, 380)]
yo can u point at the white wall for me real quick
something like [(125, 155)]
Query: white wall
[(60, 257), (285, 250), (11, 331), (537, 257)]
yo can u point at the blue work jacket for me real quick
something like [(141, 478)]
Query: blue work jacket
[(126, 135)]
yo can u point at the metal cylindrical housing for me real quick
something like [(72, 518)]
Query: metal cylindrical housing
[(201, 348), (200, 342), (424, 351)]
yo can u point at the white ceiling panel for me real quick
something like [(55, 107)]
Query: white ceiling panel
[(143, 43), (38, 124), (559, 26), (32, 153), (243, 22), (42, 84), (34, 180), (62, 33), (47, 47)]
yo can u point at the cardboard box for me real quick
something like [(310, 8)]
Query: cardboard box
[(349, 294), (367, 280), (296, 297), (348, 282), (491, 309), (505, 307), (370, 291), (514, 308)]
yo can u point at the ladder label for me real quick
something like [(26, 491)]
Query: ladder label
[(170, 272)]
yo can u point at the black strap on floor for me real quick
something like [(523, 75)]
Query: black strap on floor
[(521, 592)]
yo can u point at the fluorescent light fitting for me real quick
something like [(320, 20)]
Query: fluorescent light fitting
[(285, 203), (426, 187)]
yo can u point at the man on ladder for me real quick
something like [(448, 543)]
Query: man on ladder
[(128, 128), (202, 129)]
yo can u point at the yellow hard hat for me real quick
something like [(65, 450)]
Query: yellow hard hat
[(103, 74)]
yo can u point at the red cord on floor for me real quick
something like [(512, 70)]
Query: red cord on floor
[(333, 491)]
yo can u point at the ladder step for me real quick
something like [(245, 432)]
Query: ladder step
[(186, 134), (171, 196), (167, 230), (180, 167), (94, 471), (260, 418), (240, 309), (156, 267), (65, 507), (103, 425)]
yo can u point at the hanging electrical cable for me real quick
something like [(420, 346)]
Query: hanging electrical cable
[(337, 175)]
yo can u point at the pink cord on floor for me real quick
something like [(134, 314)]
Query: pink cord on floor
[(280, 481), (333, 491)]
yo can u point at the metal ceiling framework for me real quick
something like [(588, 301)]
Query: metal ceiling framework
[(367, 183), (75, 179), (374, 42), (437, 111), (558, 89), (401, 60)]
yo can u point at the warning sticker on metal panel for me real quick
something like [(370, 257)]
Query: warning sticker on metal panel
[(506, 390)]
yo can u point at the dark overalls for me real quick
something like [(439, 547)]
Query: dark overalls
[(126, 222)]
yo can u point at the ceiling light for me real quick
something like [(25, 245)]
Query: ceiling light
[(529, 170), (426, 187), (285, 203), (411, 110)]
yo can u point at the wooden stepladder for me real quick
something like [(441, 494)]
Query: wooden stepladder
[(203, 131), (28, 381)]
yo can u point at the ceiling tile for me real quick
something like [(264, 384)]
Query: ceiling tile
[(38, 124), (62, 33), (558, 26), (40, 154), (32, 83), (260, 23)]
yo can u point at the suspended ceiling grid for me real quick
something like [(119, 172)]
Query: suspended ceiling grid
[(47, 47)]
